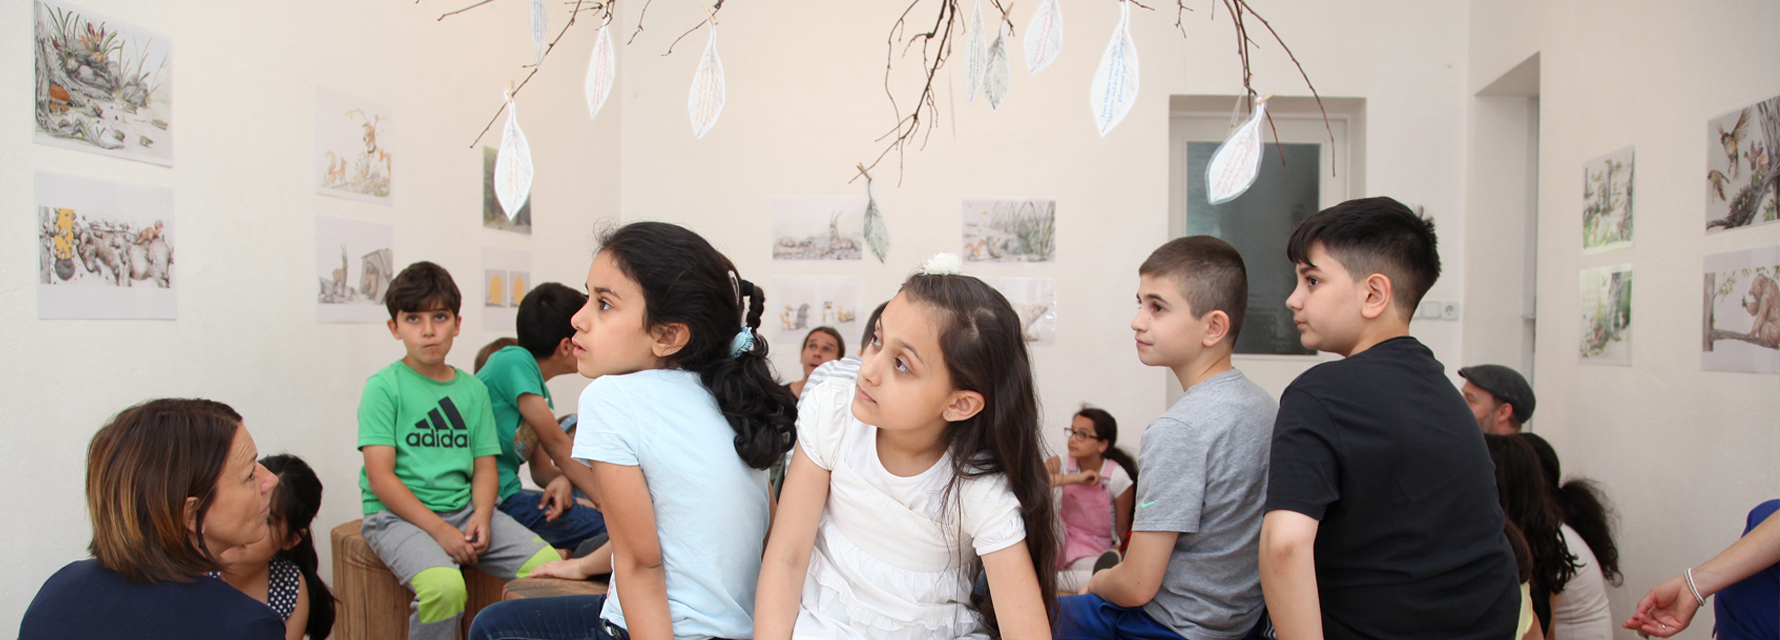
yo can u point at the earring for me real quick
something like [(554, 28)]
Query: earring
[(948, 415)]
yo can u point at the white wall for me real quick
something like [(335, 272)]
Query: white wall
[(1684, 453), (244, 95), (806, 101)]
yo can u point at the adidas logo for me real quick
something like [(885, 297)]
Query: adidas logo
[(443, 428)]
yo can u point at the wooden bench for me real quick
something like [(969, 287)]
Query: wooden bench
[(373, 604), (550, 588)]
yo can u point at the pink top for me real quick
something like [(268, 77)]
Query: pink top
[(1087, 512)]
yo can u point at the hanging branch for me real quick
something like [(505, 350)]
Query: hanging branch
[(1237, 8), (605, 9), (712, 15)]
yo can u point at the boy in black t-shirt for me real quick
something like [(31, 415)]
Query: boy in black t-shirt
[(1381, 516)]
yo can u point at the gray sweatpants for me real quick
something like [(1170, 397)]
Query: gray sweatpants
[(438, 584)]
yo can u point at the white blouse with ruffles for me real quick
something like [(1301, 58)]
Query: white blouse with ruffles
[(889, 560)]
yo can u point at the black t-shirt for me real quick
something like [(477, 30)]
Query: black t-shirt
[(1381, 448), (85, 600)]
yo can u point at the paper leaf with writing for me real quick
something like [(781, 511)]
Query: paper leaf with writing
[(1000, 77), (877, 232), (1115, 82), (1044, 36), (602, 71), (976, 54), (1237, 161), (540, 24), (705, 102), (512, 166)]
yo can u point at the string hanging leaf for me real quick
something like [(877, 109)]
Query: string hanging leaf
[(1237, 162), (877, 232), (1000, 76), (513, 166), (976, 54), (705, 103), (602, 71), (1044, 37), (1115, 82)]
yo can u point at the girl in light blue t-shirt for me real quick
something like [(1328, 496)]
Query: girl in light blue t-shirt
[(681, 421)]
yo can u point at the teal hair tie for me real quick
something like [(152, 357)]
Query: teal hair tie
[(743, 342)]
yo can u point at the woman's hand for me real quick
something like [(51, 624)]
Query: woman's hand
[(1666, 610)]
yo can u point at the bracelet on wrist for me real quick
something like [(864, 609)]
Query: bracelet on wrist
[(1693, 589)]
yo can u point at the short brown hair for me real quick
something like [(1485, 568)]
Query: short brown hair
[(489, 349), (140, 469), (1209, 273), (423, 286), (1375, 235)]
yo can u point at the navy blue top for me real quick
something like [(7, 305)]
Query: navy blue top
[(1750, 610), (86, 600)]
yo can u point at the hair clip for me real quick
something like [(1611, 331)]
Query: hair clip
[(742, 343), (943, 264)]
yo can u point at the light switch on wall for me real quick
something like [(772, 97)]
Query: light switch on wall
[(1429, 309)]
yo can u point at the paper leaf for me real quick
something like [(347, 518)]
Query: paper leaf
[(877, 232), (513, 166), (976, 54), (705, 102), (1115, 83), (1237, 161), (540, 24), (602, 71), (1044, 36), (1000, 77)]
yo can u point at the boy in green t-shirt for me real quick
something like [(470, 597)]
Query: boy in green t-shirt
[(428, 484), (526, 427)]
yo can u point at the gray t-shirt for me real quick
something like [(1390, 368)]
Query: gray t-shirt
[(1204, 466)]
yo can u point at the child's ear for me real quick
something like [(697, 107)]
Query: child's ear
[(457, 325), (1375, 296), (963, 406), (565, 348), (1217, 327), (392, 329), (291, 539), (669, 339)]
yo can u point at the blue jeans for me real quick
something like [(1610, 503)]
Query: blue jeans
[(569, 531), (564, 618), (1088, 617)]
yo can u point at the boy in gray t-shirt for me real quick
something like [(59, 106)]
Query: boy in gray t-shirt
[(1191, 569)]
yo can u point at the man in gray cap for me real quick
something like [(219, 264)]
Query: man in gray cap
[(1499, 397)]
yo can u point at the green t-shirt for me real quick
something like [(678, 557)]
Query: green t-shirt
[(510, 373), (437, 428)]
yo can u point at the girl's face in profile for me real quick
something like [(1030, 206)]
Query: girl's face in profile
[(903, 382), (610, 336)]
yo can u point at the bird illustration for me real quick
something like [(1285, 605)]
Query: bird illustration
[(1717, 179), (1757, 155), (1733, 139)]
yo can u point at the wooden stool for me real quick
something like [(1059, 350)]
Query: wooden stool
[(373, 604), (551, 587)]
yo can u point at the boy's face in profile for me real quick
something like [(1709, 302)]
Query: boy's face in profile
[(426, 334), (1167, 333), (1326, 305)]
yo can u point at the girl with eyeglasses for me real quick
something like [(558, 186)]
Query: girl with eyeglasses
[(1098, 484)]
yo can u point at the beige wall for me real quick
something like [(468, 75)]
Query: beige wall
[(244, 97), (1684, 453)]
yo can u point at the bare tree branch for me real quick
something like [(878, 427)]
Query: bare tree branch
[(714, 9), (573, 15), (644, 12), (453, 13)]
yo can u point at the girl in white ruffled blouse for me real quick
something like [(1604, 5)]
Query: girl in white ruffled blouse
[(914, 478)]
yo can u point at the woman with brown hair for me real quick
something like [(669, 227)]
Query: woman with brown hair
[(172, 485)]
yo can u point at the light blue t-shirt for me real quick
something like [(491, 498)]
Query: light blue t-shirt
[(711, 510)]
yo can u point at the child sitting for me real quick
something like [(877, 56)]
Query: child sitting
[(281, 569), (1382, 519), (525, 423), (1189, 570), (1098, 494), (429, 480), (915, 477)]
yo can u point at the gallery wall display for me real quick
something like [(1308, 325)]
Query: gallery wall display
[(353, 140), (1035, 299), (819, 227), (1607, 202), (1742, 187), (105, 249), (797, 304), (1005, 230), (354, 262), (492, 216), (1742, 312), (103, 85), (1607, 315), (506, 278)]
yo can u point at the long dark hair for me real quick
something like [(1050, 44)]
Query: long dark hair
[(1526, 500), (985, 352), (687, 281), (1106, 428), (294, 504), (1585, 509)]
